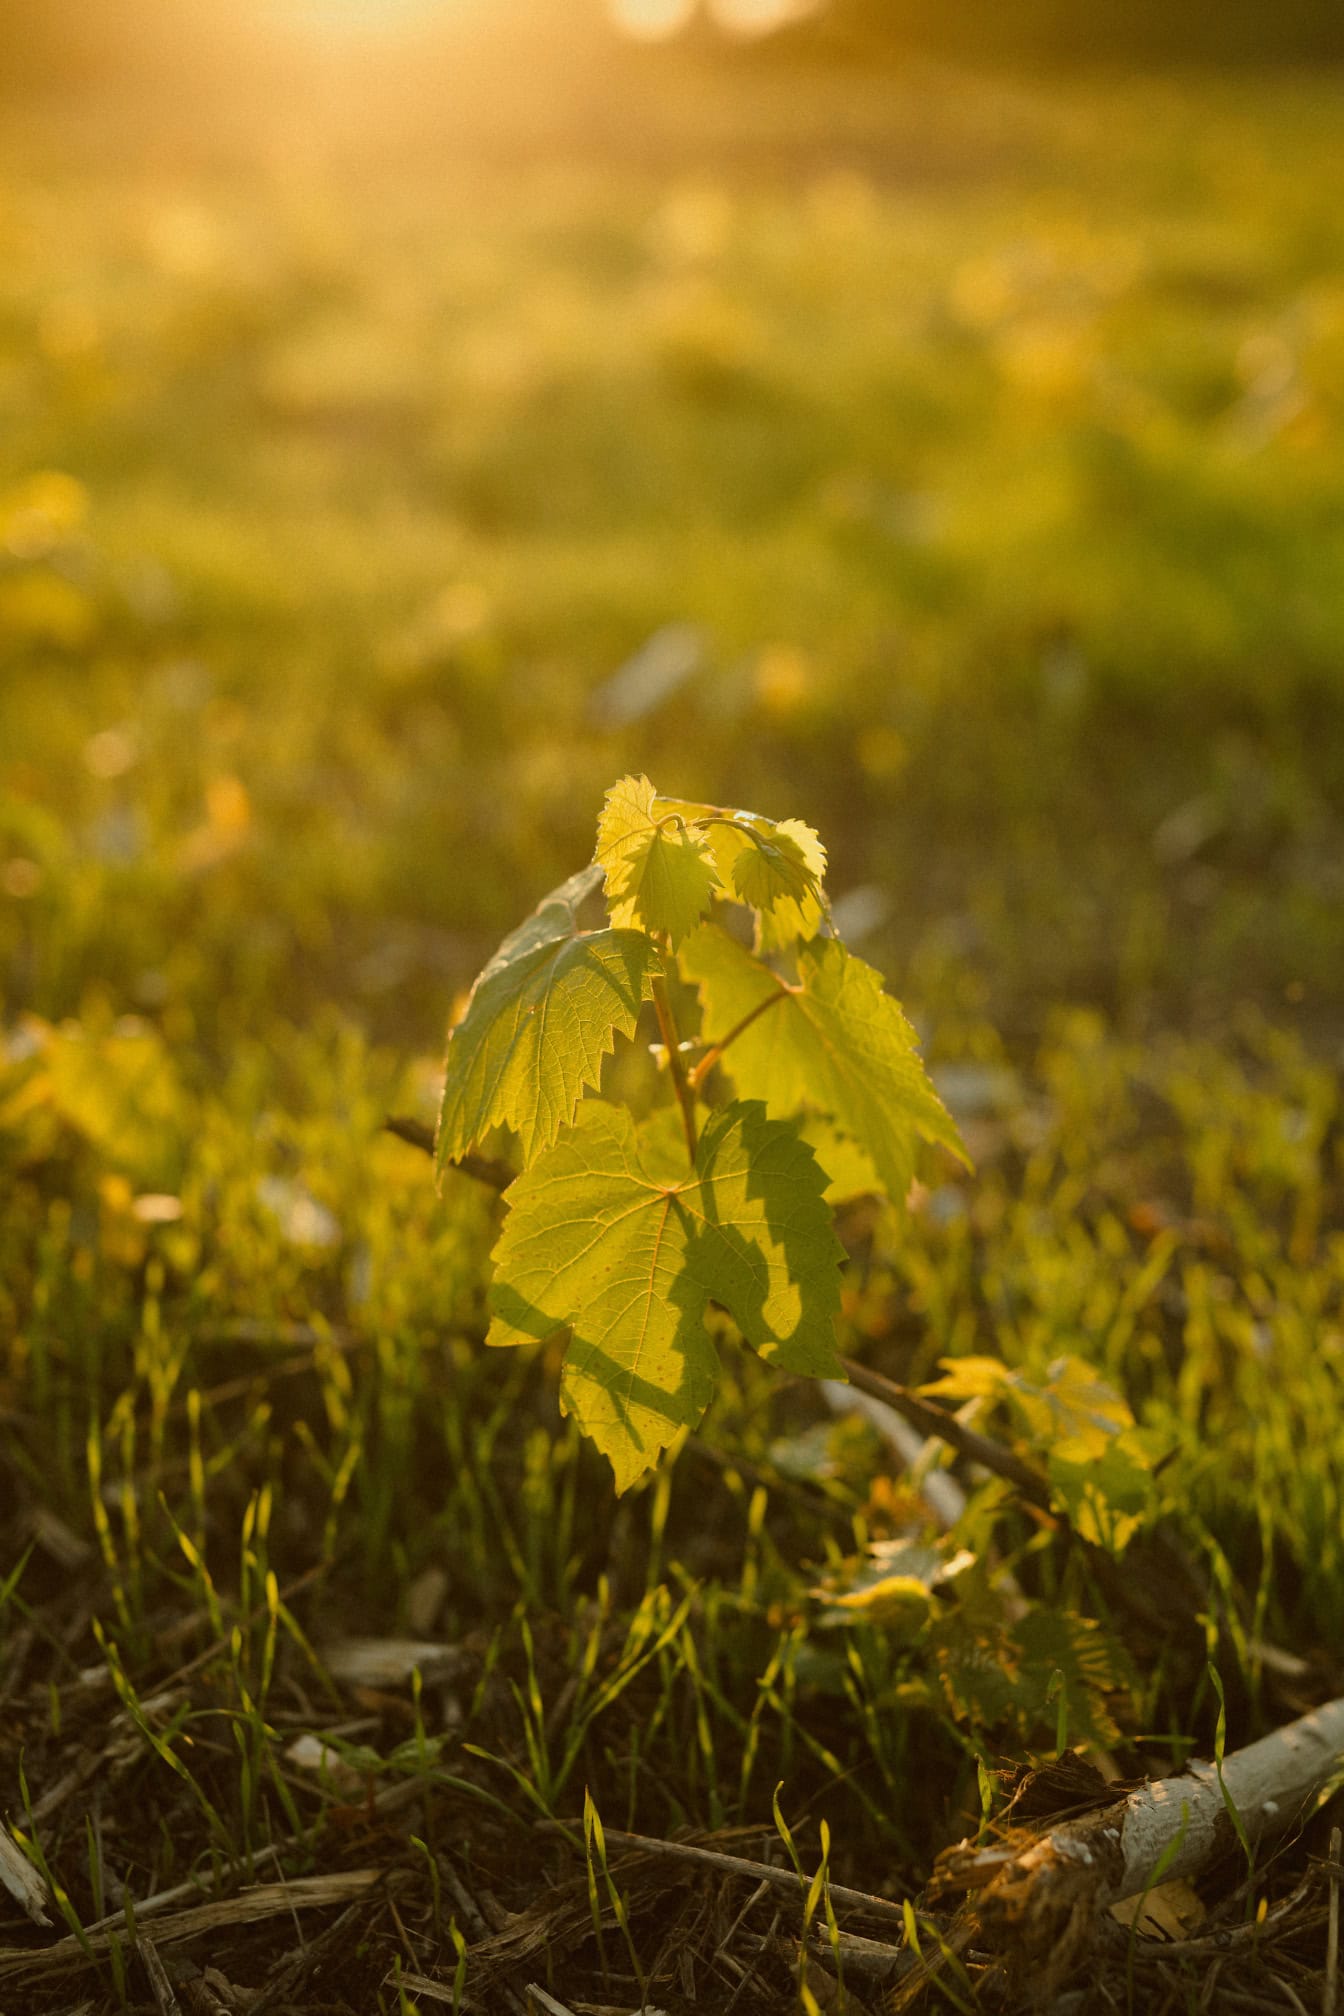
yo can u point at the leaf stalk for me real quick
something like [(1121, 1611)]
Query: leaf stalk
[(712, 1055), (667, 1029)]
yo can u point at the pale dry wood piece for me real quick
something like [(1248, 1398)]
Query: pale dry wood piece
[(249, 1907), (403, 1793), (310, 1753), (436, 1991), (18, 1646), (1039, 1896), (58, 1540), (736, 1865), (24, 1883), (65, 1787), (474, 1918), (285, 1977), (161, 1987), (425, 1599), (869, 1960), (546, 2004), (433, 1991), (96, 1679), (390, 1662), (472, 1915), (940, 1492)]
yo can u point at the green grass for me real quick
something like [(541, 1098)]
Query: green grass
[(1003, 489)]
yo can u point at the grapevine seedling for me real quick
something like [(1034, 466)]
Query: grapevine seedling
[(623, 1231)]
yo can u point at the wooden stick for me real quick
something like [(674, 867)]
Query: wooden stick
[(248, 1907), (931, 1419), (1040, 1895), (737, 1865), (165, 2001)]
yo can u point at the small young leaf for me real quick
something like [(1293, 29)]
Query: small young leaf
[(612, 1234), (771, 867), (542, 1016), (796, 914), (775, 865), (660, 875), (1100, 1465), (834, 1041)]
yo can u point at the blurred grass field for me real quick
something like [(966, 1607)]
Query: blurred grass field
[(1003, 495), (952, 462)]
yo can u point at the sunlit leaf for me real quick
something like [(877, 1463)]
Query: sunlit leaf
[(892, 1584), (833, 1041), (612, 1234), (660, 874), (777, 866), (970, 1378), (1108, 1496), (1100, 1466), (849, 1171), (542, 1016)]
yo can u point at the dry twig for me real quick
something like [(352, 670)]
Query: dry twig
[(1040, 1896), (267, 1900), (881, 1908)]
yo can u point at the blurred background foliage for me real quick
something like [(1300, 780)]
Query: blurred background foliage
[(411, 417)]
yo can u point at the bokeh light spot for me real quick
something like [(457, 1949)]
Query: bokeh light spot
[(652, 20)]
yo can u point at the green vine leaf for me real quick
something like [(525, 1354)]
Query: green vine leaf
[(777, 866), (541, 1017), (612, 1234), (1100, 1464), (660, 874), (1048, 1669), (834, 1041)]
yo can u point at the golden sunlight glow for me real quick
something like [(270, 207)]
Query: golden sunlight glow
[(759, 17), (364, 17), (651, 20)]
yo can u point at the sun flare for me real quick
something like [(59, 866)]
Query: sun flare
[(381, 18), (651, 20)]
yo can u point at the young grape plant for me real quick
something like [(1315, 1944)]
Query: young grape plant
[(805, 1084)]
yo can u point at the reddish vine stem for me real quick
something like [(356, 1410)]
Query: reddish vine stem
[(712, 1055), (676, 1064), (931, 1419)]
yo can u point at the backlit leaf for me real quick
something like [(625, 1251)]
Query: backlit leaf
[(612, 1234), (542, 1016), (849, 1171), (660, 874), (1100, 1465), (769, 868), (777, 866), (834, 1041)]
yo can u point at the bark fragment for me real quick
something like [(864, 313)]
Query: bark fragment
[(1039, 1896)]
